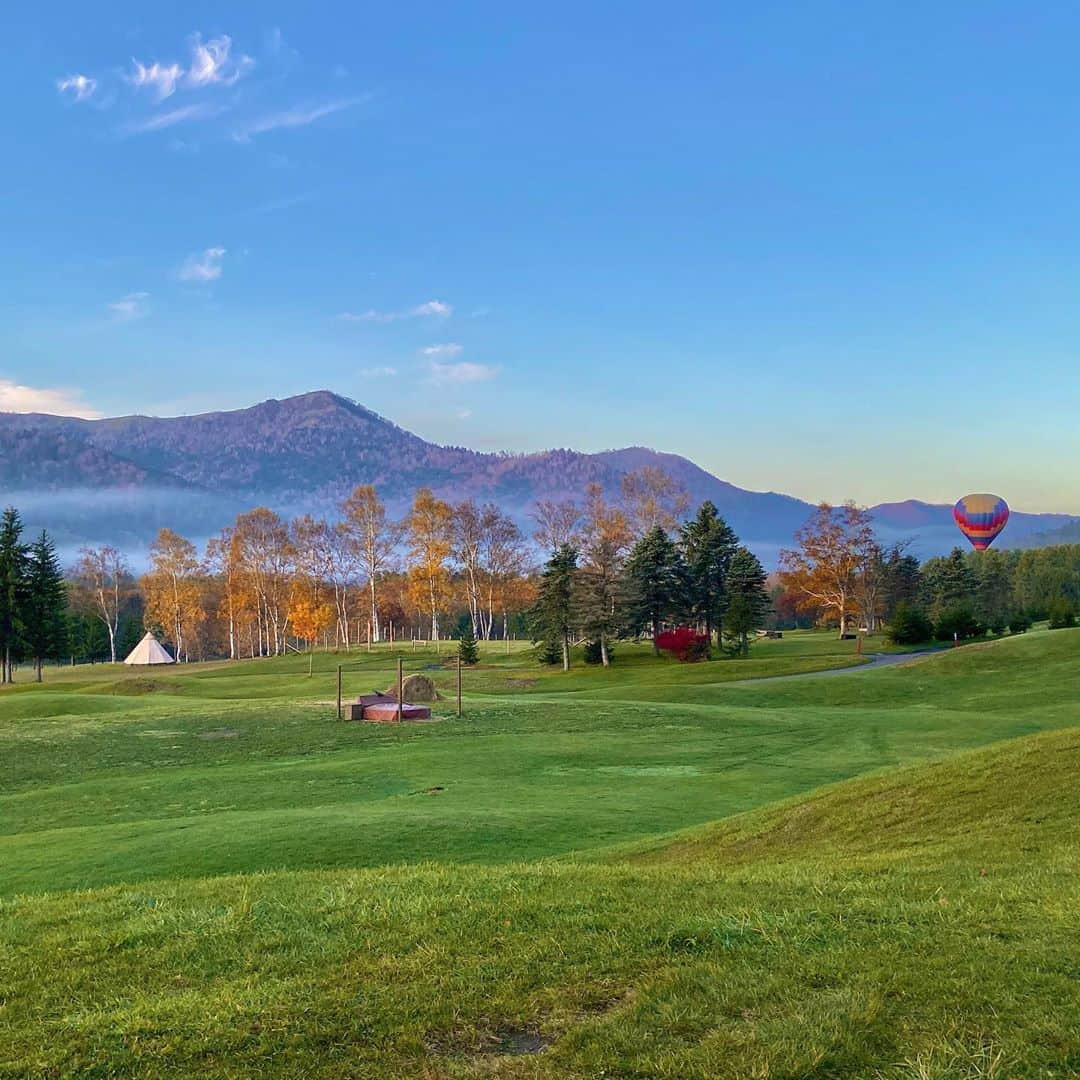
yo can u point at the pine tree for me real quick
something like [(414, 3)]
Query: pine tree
[(468, 650), (708, 544), (746, 600), (46, 604), (13, 592), (551, 620), (597, 589), (654, 583)]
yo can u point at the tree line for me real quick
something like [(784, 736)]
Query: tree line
[(632, 569), (634, 566), (840, 574)]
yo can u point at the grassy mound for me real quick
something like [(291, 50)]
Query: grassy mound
[(911, 925)]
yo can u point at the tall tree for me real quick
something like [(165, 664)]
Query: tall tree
[(266, 555), (708, 544), (102, 586), (653, 498), (825, 568), (14, 566), (502, 564), (429, 532), (375, 538), (557, 523), (551, 620), (172, 590), (46, 623), (605, 537), (747, 602), (948, 581), (654, 583)]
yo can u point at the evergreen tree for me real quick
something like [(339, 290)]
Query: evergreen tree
[(708, 544), (746, 600), (468, 650), (654, 583), (947, 582), (13, 592), (596, 601), (901, 578), (551, 620), (46, 604)]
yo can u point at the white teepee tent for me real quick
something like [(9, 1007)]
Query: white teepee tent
[(148, 651)]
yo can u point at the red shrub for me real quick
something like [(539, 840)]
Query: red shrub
[(685, 643)]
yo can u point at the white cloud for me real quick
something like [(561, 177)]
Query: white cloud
[(130, 307), (425, 310), (161, 79), (204, 267), (432, 307), (57, 401), (447, 350), (464, 372), (162, 120), (212, 64), (378, 372), (79, 87), (464, 414), (298, 116)]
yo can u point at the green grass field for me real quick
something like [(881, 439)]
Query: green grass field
[(657, 870)]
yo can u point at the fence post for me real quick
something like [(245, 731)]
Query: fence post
[(400, 687)]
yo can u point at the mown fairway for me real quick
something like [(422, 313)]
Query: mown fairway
[(918, 923)]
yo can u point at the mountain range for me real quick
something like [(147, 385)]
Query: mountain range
[(118, 480)]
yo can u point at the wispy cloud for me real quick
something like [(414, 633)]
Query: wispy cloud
[(378, 372), (160, 79), (206, 266), (77, 87), (213, 65), (298, 116), (463, 372), (130, 307), (57, 401), (434, 352), (428, 309), (160, 121)]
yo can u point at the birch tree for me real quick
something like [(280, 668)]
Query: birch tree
[(429, 531), (102, 586), (374, 538)]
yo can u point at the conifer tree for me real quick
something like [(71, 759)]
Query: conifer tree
[(468, 650), (746, 600), (13, 592), (551, 620), (45, 617), (654, 582), (597, 592), (708, 544)]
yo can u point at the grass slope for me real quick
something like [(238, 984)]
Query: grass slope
[(913, 925), (219, 770)]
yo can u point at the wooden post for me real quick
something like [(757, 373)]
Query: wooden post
[(400, 686), (339, 691), (459, 685)]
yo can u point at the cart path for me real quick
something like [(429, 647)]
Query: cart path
[(877, 660)]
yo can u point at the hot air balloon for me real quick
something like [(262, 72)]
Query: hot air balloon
[(980, 518)]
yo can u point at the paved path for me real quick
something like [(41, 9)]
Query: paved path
[(876, 661)]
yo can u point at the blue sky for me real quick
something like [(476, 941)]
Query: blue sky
[(816, 248)]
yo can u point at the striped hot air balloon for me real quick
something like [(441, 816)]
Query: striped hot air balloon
[(980, 518)]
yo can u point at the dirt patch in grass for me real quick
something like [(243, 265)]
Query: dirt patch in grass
[(220, 733)]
